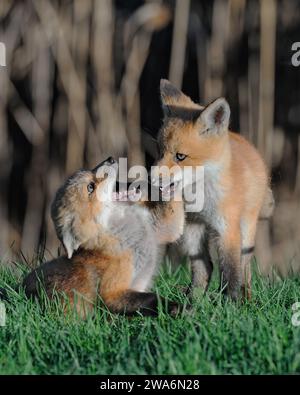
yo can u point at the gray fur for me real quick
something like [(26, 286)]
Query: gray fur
[(133, 226)]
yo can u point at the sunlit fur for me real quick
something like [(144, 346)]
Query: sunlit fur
[(236, 182), (112, 248)]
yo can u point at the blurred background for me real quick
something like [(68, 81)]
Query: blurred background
[(81, 82)]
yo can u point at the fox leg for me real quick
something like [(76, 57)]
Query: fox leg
[(201, 266), (229, 248), (246, 276), (115, 290), (248, 230), (196, 246)]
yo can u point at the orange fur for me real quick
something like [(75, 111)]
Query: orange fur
[(98, 264), (242, 187)]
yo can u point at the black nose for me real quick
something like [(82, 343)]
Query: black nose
[(151, 181), (110, 160)]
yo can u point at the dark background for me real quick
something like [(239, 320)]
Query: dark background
[(82, 82)]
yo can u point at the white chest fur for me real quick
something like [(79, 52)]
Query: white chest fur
[(213, 193)]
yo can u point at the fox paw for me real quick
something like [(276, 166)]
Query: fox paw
[(175, 309)]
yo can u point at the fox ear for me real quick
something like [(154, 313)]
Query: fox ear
[(172, 97), (69, 240), (216, 116)]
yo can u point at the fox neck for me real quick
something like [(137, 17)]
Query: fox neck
[(103, 242), (103, 239), (215, 170), (220, 163)]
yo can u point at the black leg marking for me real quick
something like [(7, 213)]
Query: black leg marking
[(247, 250), (231, 275), (202, 267)]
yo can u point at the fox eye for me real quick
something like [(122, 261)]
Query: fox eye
[(180, 157), (91, 187)]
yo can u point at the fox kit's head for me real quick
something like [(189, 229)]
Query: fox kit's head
[(191, 135), (80, 204)]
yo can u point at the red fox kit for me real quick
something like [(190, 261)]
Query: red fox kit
[(112, 246), (236, 185)]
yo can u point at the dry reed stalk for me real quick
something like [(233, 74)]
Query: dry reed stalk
[(266, 112), (110, 127), (36, 126), (253, 71), (37, 177), (217, 50), (5, 153), (181, 21), (55, 31), (267, 78), (10, 234), (138, 34), (202, 52), (81, 30), (237, 10), (297, 182), (237, 20)]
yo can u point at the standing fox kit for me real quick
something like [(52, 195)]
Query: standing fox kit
[(112, 246), (236, 185)]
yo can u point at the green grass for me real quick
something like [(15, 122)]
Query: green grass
[(220, 337)]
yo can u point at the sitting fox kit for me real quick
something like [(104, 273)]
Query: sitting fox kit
[(112, 246), (236, 185)]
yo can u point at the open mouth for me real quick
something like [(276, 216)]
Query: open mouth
[(169, 189), (126, 192)]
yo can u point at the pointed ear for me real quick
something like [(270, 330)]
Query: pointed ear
[(69, 240), (216, 116), (173, 97)]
